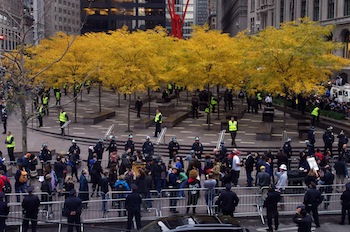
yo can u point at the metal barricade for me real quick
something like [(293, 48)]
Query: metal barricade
[(220, 139), (109, 131)]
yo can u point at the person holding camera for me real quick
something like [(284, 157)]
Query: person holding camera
[(302, 219)]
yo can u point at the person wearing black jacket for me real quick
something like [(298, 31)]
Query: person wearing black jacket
[(302, 219), (133, 205), (227, 201), (173, 148), (345, 204), (4, 211), (249, 167), (129, 144), (270, 203), (30, 205), (99, 149), (104, 184), (95, 174), (312, 199), (72, 209), (138, 106), (60, 168)]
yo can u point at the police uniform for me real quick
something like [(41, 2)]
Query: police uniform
[(271, 201), (158, 121), (233, 127), (30, 205), (72, 209), (328, 139), (133, 206), (198, 149), (63, 117), (312, 199)]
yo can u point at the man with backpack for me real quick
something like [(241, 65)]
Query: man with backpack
[(5, 185), (121, 186), (21, 178)]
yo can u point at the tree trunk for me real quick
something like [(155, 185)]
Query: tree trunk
[(149, 102), (75, 105), (118, 99), (208, 109), (129, 106), (284, 114), (218, 100), (99, 96), (24, 123)]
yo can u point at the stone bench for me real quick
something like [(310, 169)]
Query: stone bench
[(264, 132), (303, 128), (143, 123), (175, 119), (97, 117)]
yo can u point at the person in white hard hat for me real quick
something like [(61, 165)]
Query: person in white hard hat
[(282, 180)]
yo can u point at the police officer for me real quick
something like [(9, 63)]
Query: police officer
[(30, 205), (270, 203), (63, 117), (10, 144), (148, 149), (72, 209), (40, 115), (112, 147), (74, 158), (133, 206), (138, 106), (129, 144), (197, 147), (58, 97), (328, 139), (45, 102), (302, 219), (4, 211), (312, 199), (195, 106), (315, 113), (99, 148), (173, 148), (4, 119), (259, 98), (343, 139), (287, 149), (232, 128), (227, 201), (45, 155), (311, 135), (158, 121), (345, 204)]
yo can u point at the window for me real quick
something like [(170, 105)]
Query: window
[(347, 7), (303, 8), (282, 11), (316, 16), (330, 12), (252, 5), (291, 7)]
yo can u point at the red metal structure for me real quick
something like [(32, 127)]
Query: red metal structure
[(177, 21)]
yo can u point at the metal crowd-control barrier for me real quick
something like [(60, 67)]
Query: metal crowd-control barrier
[(161, 204), (66, 124), (109, 131), (161, 138), (220, 139)]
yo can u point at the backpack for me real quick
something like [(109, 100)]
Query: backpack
[(120, 188), (7, 188), (23, 177)]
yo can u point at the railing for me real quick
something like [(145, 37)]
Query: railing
[(109, 131), (161, 138), (66, 124), (220, 139), (112, 208)]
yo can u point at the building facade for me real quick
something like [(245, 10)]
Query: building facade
[(105, 15), (15, 23), (232, 16), (202, 12), (264, 13)]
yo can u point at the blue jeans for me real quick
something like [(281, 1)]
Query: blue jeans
[(105, 198), (20, 189), (149, 202), (249, 179), (181, 192), (160, 184)]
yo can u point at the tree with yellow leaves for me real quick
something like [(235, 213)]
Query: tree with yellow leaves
[(296, 58), (209, 58), (131, 61)]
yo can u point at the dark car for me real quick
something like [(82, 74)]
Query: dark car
[(194, 223)]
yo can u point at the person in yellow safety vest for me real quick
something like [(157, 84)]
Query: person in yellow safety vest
[(170, 88), (40, 115), (88, 86), (63, 118), (315, 113), (259, 97), (10, 144), (208, 110), (58, 97), (158, 121), (213, 103), (232, 128), (65, 88), (45, 101)]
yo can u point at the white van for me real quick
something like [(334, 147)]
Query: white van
[(340, 93)]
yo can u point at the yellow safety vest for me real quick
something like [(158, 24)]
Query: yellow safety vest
[(232, 126), (259, 96), (170, 86), (41, 110), (209, 109), (158, 118), (45, 100), (58, 95), (8, 138), (63, 116), (315, 112), (213, 101)]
